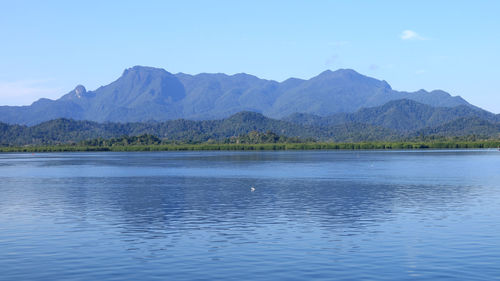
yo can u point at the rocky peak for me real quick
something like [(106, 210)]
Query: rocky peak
[(80, 91)]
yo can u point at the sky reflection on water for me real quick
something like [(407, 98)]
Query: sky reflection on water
[(191, 215)]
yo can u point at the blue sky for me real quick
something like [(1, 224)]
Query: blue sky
[(48, 47)]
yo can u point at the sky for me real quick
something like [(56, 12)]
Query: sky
[(49, 47)]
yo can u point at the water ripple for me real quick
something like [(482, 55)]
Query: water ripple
[(313, 215)]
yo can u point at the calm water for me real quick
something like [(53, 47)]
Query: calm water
[(377, 215)]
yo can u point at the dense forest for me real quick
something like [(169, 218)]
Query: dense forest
[(61, 131), (239, 129)]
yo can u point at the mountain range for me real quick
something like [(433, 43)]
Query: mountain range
[(143, 94), (340, 105)]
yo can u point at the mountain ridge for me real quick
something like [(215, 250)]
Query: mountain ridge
[(147, 93), (402, 115)]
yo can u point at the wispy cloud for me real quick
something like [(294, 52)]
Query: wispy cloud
[(411, 35), (25, 92), (373, 66)]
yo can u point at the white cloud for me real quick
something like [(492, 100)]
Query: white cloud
[(411, 35), (26, 92)]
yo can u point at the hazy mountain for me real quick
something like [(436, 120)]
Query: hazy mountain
[(141, 93), (211, 96), (330, 92), (146, 93)]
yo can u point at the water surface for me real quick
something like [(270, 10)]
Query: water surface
[(344, 215)]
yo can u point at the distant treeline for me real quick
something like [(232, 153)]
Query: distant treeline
[(151, 143), (243, 127), (70, 135), (253, 137)]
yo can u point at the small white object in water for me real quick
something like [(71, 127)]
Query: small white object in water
[(252, 189)]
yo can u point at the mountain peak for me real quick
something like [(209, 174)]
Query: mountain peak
[(80, 91), (350, 76), (246, 115), (342, 73), (140, 70), (244, 75), (77, 93), (346, 71)]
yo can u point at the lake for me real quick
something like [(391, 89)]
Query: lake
[(344, 215)]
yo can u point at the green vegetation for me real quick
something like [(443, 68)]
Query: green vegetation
[(232, 130), (141, 140), (140, 144), (243, 131)]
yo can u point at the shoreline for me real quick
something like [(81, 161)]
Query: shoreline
[(264, 146)]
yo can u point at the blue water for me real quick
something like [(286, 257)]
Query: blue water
[(344, 215)]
